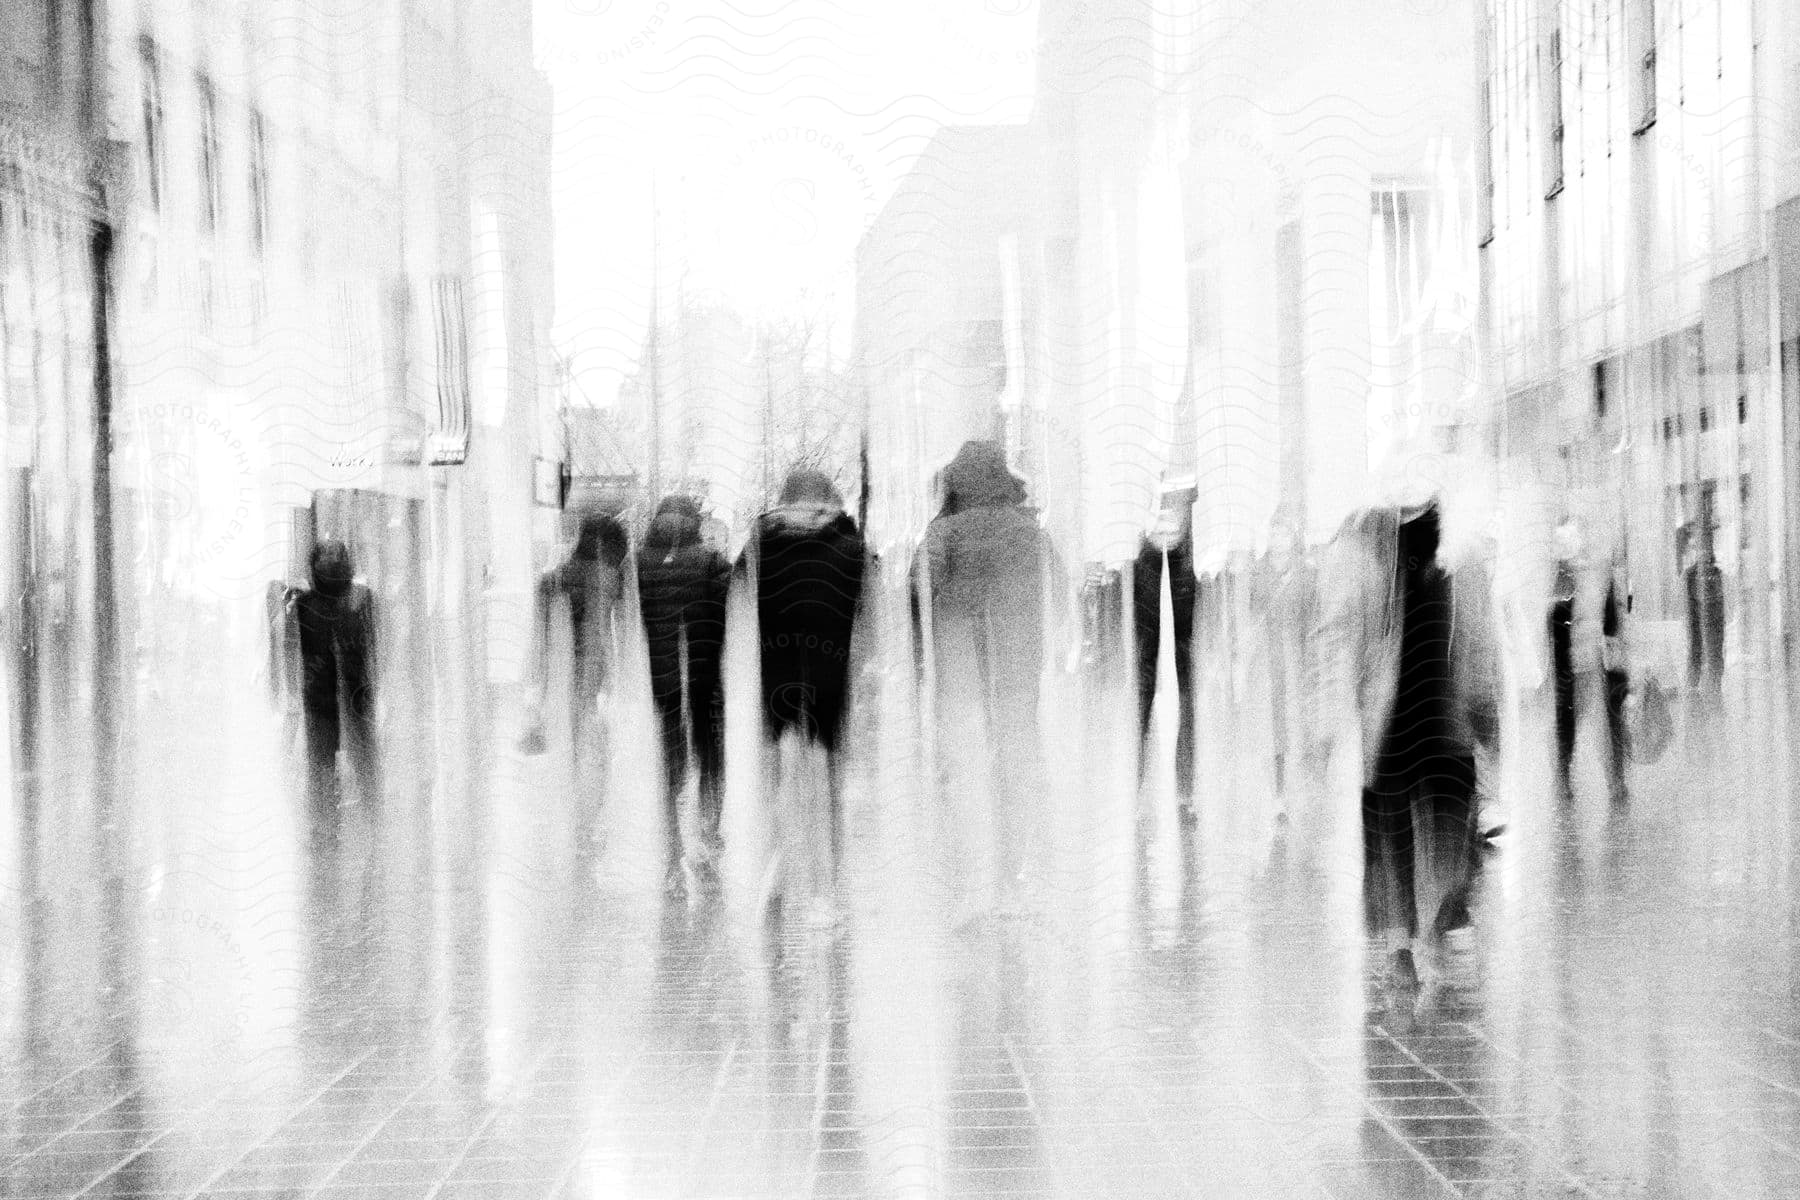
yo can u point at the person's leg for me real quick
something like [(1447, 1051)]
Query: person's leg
[(1618, 688), (1277, 667), (321, 733), (1182, 587), (1146, 588), (364, 755), (1563, 668), (1019, 790), (1446, 819), (1388, 868), (674, 751), (707, 707)]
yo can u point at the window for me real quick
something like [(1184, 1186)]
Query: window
[(259, 183), (210, 197), (1553, 116), (450, 440), (150, 85)]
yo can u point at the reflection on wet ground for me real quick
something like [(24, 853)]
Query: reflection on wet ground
[(452, 999)]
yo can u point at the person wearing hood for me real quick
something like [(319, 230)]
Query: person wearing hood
[(1427, 693), (335, 625), (987, 575), (1171, 539), (807, 560), (592, 584), (682, 587)]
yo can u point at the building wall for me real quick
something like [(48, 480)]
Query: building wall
[(1629, 286), (331, 293), (50, 207)]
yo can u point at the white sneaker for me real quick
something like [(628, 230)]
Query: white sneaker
[(822, 915)]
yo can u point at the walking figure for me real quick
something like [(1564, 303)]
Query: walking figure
[(986, 575), (807, 560), (1172, 540), (334, 621), (1427, 692), (592, 584), (682, 587)]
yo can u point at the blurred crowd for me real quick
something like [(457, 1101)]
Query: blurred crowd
[(1380, 622)]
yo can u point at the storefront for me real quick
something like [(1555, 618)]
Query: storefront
[(47, 219)]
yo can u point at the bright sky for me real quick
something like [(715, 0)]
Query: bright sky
[(774, 133)]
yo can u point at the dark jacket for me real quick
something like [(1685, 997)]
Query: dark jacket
[(808, 561), (682, 585), (336, 627), (1429, 674)]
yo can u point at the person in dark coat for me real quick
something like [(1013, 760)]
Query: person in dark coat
[(1704, 585), (808, 559), (1172, 541), (1616, 675), (1427, 692), (682, 587), (1562, 662), (592, 584), (1615, 682), (334, 622)]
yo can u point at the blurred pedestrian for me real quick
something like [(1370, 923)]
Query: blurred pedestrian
[(591, 583), (335, 624), (1562, 649), (1287, 608), (1615, 669), (1575, 590), (988, 574), (682, 587), (1427, 691), (1704, 587), (1170, 541), (807, 560)]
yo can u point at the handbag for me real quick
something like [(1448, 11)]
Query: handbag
[(1650, 725)]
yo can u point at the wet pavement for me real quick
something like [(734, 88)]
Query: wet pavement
[(460, 996)]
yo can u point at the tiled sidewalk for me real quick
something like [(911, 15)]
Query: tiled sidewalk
[(456, 1003)]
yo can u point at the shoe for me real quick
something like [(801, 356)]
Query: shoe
[(706, 878), (821, 915), (675, 883), (1189, 814), (1402, 973)]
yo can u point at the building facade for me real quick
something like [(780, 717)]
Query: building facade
[(55, 225), (333, 290), (1636, 228), (1247, 267)]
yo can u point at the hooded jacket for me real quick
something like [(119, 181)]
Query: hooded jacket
[(593, 582), (986, 566), (335, 619), (682, 585)]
